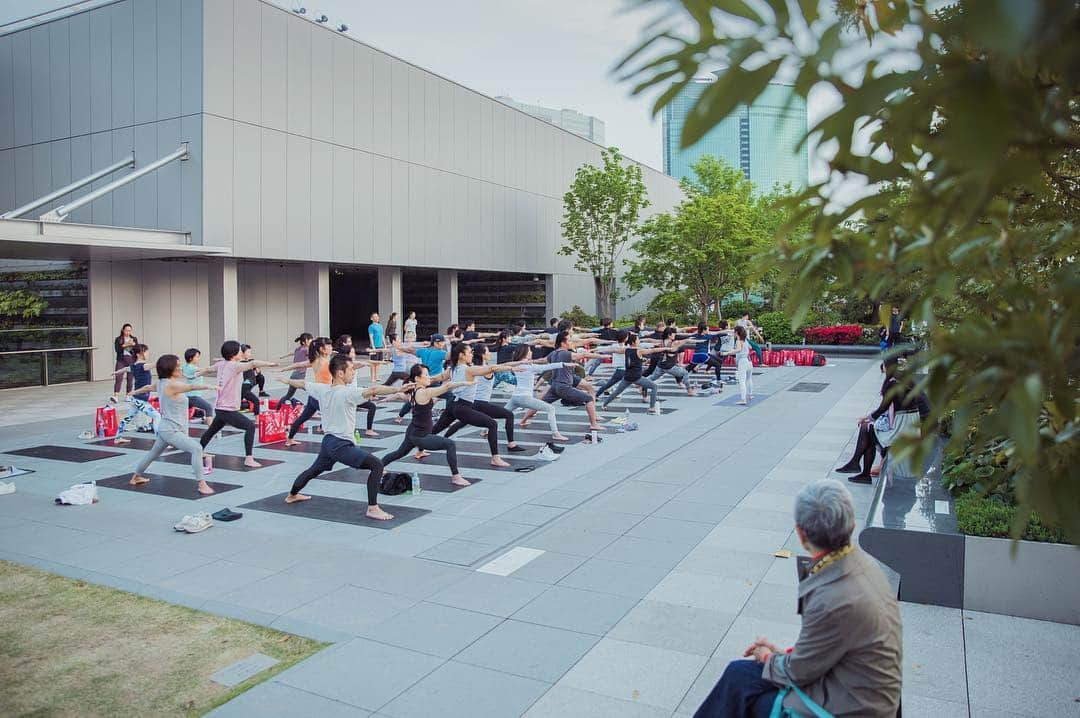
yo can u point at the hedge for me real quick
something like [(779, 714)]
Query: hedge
[(842, 334)]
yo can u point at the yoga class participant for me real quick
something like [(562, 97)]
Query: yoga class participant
[(338, 403), (751, 330), (606, 333), (433, 357), (300, 354), (634, 374), (418, 435), (523, 395), (563, 384), (318, 364), (124, 344), (400, 361), (482, 397), (744, 370), (172, 426), (230, 373), (461, 407), (193, 375), (139, 370), (618, 360), (251, 378), (368, 406), (667, 360)]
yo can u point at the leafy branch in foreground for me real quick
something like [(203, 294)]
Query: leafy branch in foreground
[(973, 118)]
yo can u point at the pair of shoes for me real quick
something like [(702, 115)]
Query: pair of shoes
[(861, 479), (516, 448), (194, 524), (546, 453), (848, 469), (226, 514), (112, 400), (6, 487), (263, 394)]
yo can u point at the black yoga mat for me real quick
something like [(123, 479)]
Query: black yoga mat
[(474, 444), (161, 485), (65, 453), (473, 461), (221, 461), (439, 483), (137, 442), (342, 511), (197, 431)]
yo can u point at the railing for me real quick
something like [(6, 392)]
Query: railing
[(36, 367)]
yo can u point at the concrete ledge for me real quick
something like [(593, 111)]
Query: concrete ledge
[(1031, 580)]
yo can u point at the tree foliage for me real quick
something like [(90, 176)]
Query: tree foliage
[(973, 119), (600, 214)]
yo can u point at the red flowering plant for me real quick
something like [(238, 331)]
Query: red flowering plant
[(841, 334)]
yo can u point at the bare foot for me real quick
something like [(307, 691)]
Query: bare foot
[(483, 433), (559, 437), (294, 498), (207, 420), (399, 419), (421, 455), (371, 433), (204, 488), (498, 461), (876, 471), (374, 512), (137, 480), (121, 440), (596, 427), (292, 442), (524, 423), (251, 463), (459, 480)]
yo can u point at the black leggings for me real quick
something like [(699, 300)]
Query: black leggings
[(246, 394), (715, 361), (336, 450), (427, 442), (616, 377), (865, 448), (310, 408), (395, 377), (468, 413), (496, 412), (370, 406), (223, 418)]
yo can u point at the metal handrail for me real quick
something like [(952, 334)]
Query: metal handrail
[(45, 358)]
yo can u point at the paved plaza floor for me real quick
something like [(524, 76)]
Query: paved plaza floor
[(618, 580)]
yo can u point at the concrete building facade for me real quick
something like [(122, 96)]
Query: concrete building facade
[(320, 171)]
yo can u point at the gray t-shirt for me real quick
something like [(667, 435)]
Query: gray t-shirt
[(563, 376), (174, 412), (337, 405)]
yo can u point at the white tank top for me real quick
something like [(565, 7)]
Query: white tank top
[(465, 393)]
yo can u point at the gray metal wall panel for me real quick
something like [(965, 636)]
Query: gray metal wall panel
[(191, 172), (381, 102), (364, 97), (298, 78), (191, 57), (42, 154), (40, 100), (24, 174), (381, 210), (80, 167), (146, 79), (418, 199), (170, 208), (217, 184), (274, 171), (342, 207), (21, 89), (247, 57), (399, 110), (146, 188), (7, 180), (344, 90), (363, 194), (60, 79), (322, 92), (101, 155), (273, 70), (100, 69), (79, 56), (400, 250), (416, 120), (123, 140), (247, 195), (217, 54), (298, 192), (7, 94), (322, 168), (169, 61), (122, 65)]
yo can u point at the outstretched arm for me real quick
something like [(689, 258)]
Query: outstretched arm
[(255, 364), (385, 390), (295, 383)]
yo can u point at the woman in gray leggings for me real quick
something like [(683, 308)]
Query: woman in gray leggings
[(524, 396), (172, 429), (634, 374)]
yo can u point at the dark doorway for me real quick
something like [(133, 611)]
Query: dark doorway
[(354, 295), (495, 299), (420, 294)]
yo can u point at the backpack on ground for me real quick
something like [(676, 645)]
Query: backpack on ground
[(394, 483)]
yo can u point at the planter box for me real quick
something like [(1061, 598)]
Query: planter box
[(1039, 580)]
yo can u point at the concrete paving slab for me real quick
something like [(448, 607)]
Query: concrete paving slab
[(458, 690), (349, 609), (698, 590), (486, 593), (278, 700), (432, 629), (677, 628), (632, 580), (576, 610), (529, 650), (563, 701)]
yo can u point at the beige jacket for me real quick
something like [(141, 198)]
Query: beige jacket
[(848, 656)]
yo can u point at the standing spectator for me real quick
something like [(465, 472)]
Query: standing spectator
[(375, 345), (847, 658), (391, 324), (896, 328), (410, 328), (124, 344)]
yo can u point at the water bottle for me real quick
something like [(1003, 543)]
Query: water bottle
[(356, 436), (264, 404), (594, 436), (415, 483), (626, 417)]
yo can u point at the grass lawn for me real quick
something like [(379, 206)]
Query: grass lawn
[(70, 648)]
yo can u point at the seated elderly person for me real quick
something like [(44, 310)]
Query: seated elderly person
[(847, 659)]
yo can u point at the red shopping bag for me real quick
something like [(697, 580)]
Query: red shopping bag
[(805, 357), (273, 426), (155, 402), (273, 403), (291, 412), (754, 361), (687, 356), (105, 424), (729, 360)]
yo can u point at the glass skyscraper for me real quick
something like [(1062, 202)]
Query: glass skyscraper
[(759, 138)]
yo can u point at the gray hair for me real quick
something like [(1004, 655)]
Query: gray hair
[(825, 512)]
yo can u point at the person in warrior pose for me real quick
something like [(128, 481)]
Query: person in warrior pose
[(337, 405), (230, 373), (482, 399), (319, 353)]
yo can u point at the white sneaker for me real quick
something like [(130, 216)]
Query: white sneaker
[(180, 525), (6, 487), (547, 454), (198, 522)]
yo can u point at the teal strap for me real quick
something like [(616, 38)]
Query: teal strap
[(778, 710)]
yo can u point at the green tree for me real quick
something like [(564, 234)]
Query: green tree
[(972, 113), (600, 215), (704, 246)]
